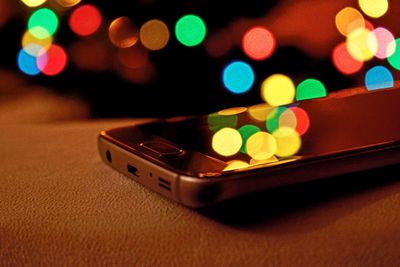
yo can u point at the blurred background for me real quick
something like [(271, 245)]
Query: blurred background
[(70, 59)]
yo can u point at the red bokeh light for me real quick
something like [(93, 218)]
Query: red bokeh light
[(52, 61), (258, 43), (85, 20), (303, 121), (344, 62)]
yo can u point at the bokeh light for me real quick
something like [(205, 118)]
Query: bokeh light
[(53, 61), (68, 3), (288, 119), (227, 142), (154, 34), (260, 112), (238, 77), (43, 23), (309, 89), (278, 90), (236, 165), (217, 121), (33, 3), (254, 162), (27, 63), (219, 43), (378, 77), (362, 44), (232, 111), (394, 60), (122, 32), (386, 43), (374, 8), (133, 57), (32, 45), (302, 120), (344, 62), (272, 122), (85, 20), (261, 146), (258, 43), (246, 131), (190, 30), (288, 141), (349, 19)]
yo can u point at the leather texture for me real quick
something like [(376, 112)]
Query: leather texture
[(61, 206)]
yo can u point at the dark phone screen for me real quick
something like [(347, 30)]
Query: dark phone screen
[(263, 135)]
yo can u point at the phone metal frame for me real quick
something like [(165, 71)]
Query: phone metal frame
[(197, 192)]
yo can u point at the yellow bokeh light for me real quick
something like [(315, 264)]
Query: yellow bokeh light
[(362, 44), (261, 146), (122, 32), (154, 34), (32, 45), (254, 162), (288, 141), (33, 3), (374, 8), (227, 142), (260, 112), (236, 165), (232, 111), (349, 19), (68, 3), (278, 90)]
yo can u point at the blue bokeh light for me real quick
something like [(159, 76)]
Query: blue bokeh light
[(238, 77), (378, 77), (27, 63)]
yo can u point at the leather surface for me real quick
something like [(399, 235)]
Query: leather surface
[(61, 206)]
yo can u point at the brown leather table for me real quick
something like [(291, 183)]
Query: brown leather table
[(61, 206)]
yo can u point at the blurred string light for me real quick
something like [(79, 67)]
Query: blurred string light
[(218, 43), (238, 77), (68, 3), (123, 32), (227, 142), (278, 90), (53, 61), (386, 43), (260, 112), (32, 45), (133, 57), (394, 59), (190, 30), (374, 8), (254, 162), (27, 63), (154, 34), (258, 43), (272, 121), (33, 3), (85, 20), (302, 120), (261, 146), (43, 23), (344, 62), (236, 165), (362, 44), (349, 19), (217, 121), (378, 77), (288, 141), (309, 89), (246, 131), (232, 111)]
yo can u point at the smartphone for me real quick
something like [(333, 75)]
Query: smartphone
[(198, 161)]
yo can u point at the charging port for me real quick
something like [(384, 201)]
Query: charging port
[(133, 170)]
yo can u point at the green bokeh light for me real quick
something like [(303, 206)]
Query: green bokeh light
[(394, 60), (272, 123), (309, 89), (246, 131), (190, 30), (43, 23)]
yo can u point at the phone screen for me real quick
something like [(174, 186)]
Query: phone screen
[(243, 138)]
